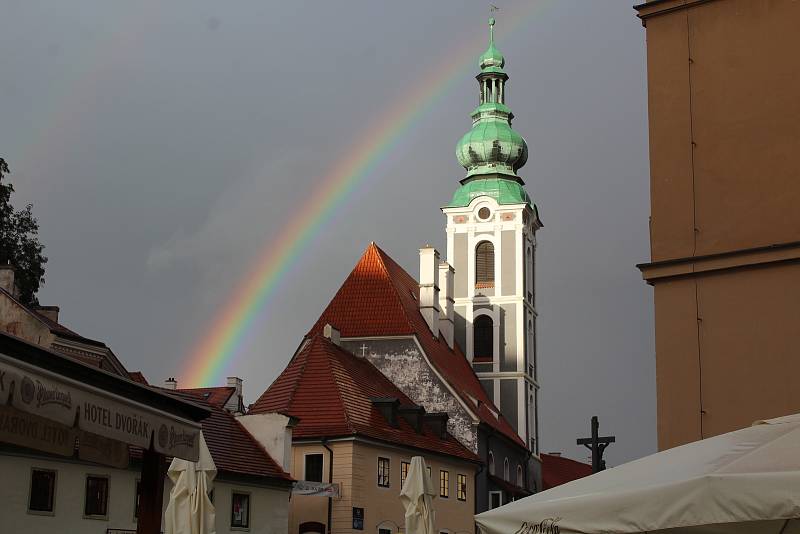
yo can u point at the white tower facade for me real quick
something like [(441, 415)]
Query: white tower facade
[(491, 244)]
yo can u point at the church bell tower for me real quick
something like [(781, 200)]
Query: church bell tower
[(491, 243)]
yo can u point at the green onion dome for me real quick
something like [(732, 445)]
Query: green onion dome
[(492, 146)]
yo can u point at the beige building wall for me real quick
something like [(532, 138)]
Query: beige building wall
[(268, 514), (723, 80), (356, 470)]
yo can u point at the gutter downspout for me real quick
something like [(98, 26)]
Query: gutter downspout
[(330, 481)]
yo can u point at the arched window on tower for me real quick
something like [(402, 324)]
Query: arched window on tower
[(491, 463), (506, 471), (484, 264), (483, 338), (520, 480)]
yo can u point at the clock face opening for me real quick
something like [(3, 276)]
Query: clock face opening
[(484, 213)]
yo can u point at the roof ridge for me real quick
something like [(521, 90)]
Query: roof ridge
[(383, 257)]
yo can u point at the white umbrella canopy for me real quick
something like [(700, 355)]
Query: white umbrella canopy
[(417, 497), (745, 481), (190, 510)]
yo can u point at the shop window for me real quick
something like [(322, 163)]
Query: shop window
[(43, 491), (444, 484), (484, 264), (240, 510), (313, 472), (461, 487), (96, 504), (483, 338), (383, 472)]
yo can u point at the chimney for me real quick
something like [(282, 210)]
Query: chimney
[(429, 287), (446, 313), (413, 415), (438, 423), (388, 408), (51, 312), (8, 279), (236, 403), (170, 383), (330, 332)]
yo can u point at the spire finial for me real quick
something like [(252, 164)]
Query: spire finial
[(491, 30)]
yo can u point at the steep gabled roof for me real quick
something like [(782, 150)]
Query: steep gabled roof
[(379, 298), (330, 390), (232, 447)]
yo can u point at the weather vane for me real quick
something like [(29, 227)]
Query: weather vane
[(493, 8)]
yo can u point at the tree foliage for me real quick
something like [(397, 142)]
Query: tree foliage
[(19, 242)]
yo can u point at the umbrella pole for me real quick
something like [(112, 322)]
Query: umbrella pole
[(151, 499)]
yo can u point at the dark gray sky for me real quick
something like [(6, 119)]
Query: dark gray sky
[(163, 144)]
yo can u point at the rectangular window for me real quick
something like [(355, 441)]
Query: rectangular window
[(384, 531), (313, 468), (137, 499), (96, 504), (495, 500), (43, 491), (403, 472), (240, 510), (461, 487), (444, 484), (383, 472)]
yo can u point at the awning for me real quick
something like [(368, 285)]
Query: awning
[(47, 401)]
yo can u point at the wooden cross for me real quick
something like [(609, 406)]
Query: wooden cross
[(597, 445), (363, 349)]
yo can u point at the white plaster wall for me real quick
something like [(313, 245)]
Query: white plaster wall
[(271, 430), (269, 508)]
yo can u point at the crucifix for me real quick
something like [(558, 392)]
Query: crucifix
[(597, 445), (364, 349)]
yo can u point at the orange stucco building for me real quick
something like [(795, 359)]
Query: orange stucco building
[(724, 112)]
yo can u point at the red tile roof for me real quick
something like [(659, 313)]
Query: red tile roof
[(217, 396), (330, 390), (380, 298), (137, 376), (557, 470), (232, 447)]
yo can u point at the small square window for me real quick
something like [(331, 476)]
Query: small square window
[(313, 471), (495, 499), (444, 484), (43, 491), (96, 504), (383, 472), (240, 510)]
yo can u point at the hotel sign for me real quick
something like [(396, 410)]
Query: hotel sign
[(79, 407)]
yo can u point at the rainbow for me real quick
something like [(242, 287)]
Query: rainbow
[(207, 363)]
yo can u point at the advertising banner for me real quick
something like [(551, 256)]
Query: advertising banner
[(318, 489)]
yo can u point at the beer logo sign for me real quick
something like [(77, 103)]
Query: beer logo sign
[(163, 436), (27, 390)]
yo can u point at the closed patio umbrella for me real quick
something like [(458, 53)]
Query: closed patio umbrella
[(417, 498), (190, 510), (745, 481)]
